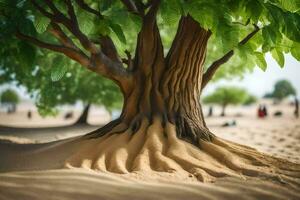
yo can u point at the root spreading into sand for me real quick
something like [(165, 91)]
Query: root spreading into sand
[(150, 163), (155, 147)]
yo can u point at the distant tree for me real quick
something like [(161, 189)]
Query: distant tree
[(225, 96), (10, 97), (250, 99), (282, 89)]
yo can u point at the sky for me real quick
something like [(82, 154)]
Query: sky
[(259, 82)]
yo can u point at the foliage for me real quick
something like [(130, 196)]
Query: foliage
[(227, 95), (282, 89), (52, 79), (9, 97), (250, 100)]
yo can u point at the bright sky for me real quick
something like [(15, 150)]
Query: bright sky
[(259, 82)]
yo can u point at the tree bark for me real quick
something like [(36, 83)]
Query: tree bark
[(167, 88), (83, 119)]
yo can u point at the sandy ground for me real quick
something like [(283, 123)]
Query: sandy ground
[(80, 184), (279, 136)]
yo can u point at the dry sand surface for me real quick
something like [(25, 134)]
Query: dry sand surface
[(88, 185), (277, 136)]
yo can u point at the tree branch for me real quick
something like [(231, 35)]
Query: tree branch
[(207, 76), (71, 12), (109, 49), (130, 5), (149, 48), (73, 26), (70, 24), (128, 61), (42, 10), (70, 52), (57, 32), (99, 62), (87, 8)]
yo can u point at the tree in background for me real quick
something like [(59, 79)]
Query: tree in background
[(251, 99), (282, 89), (159, 76), (225, 96), (10, 97)]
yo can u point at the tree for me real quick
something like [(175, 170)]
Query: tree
[(11, 98), (250, 100), (161, 121), (282, 89), (225, 96)]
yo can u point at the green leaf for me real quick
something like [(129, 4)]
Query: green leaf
[(116, 28), (269, 35), (86, 21), (136, 20), (291, 27), (278, 56), (27, 55), (4, 4), (290, 5), (260, 61), (228, 36), (59, 68), (205, 14), (41, 24), (101, 27), (254, 10), (26, 26), (170, 11), (295, 51), (105, 5)]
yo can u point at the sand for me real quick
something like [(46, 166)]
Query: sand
[(82, 184), (40, 178)]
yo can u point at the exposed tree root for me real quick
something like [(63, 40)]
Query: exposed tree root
[(157, 147)]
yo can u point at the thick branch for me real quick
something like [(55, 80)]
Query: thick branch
[(149, 45), (109, 49), (106, 65), (99, 63), (71, 24), (70, 52), (207, 76)]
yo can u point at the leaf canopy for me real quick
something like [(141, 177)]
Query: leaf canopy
[(54, 79)]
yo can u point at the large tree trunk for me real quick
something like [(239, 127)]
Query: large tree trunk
[(167, 88), (161, 127)]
